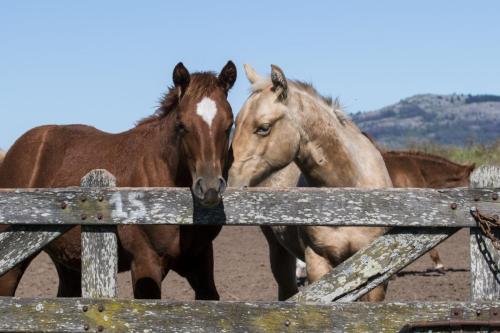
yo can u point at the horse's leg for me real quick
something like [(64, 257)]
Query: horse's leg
[(145, 264), (10, 280), (316, 265), (200, 275), (70, 281), (147, 273), (283, 265), (438, 264)]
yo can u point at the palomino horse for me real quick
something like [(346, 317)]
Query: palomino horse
[(284, 121), (2, 156), (406, 168), (183, 144)]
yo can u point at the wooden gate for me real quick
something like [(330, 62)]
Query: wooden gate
[(421, 219)]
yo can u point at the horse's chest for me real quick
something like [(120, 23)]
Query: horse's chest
[(67, 249)]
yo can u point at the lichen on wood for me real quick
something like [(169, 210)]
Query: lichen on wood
[(254, 206), (74, 315), (99, 247), (485, 259)]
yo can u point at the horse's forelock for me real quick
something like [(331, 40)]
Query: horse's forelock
[(201, 84)]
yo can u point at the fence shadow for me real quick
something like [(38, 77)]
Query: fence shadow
[(208, 216)]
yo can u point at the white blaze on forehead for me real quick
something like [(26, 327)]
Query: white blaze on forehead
[(206, 109)]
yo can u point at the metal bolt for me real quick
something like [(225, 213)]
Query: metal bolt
[(287, 322), (86, 327), (83, 199), (455, 313), (495, 196), (454, 205), (85, 308), (100, 198), (495, 312), (478, 312), (476, 198), (63, 205), (100, 328), (100, 308), (84, 217), (99, 216)]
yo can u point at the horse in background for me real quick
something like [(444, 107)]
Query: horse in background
[(418, 169), (2, 156), (185, 144), (285, 121)]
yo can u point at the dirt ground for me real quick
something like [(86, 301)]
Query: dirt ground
[(242, 273)]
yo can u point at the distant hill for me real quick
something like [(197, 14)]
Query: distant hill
[(441, 119)]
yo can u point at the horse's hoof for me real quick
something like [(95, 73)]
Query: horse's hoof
[(440, 268)]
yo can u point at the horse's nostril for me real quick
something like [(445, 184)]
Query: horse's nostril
[(197, 188)]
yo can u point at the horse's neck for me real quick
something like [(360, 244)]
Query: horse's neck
[(162, 150), (337, 155)]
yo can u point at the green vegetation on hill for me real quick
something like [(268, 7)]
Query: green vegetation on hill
[(472, 153)]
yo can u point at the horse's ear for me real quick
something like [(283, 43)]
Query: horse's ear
[(280, 86), (252, 75), (181, 78), (227, 76)]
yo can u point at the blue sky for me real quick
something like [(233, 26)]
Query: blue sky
[(106, 63)]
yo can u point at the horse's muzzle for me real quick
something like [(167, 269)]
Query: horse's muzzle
[(208, 191)]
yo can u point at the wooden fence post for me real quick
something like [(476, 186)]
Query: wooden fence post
[(485, 259), (99, 247)]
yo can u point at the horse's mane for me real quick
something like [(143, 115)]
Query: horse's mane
[(200, 84), (427, 156), (334, 103)]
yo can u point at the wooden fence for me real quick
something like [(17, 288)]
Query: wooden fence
[(421, 219)]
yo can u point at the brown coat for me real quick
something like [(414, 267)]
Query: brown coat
[(171, 148)]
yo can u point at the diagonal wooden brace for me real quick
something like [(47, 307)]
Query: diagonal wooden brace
[(373, 265)]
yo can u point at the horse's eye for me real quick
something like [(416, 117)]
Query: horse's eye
[(180, 128), (263, 129)]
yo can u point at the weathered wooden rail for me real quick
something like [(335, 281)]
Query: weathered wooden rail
[(421, 219)]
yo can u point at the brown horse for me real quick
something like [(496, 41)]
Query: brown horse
[(183, 144), (417, 169)]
